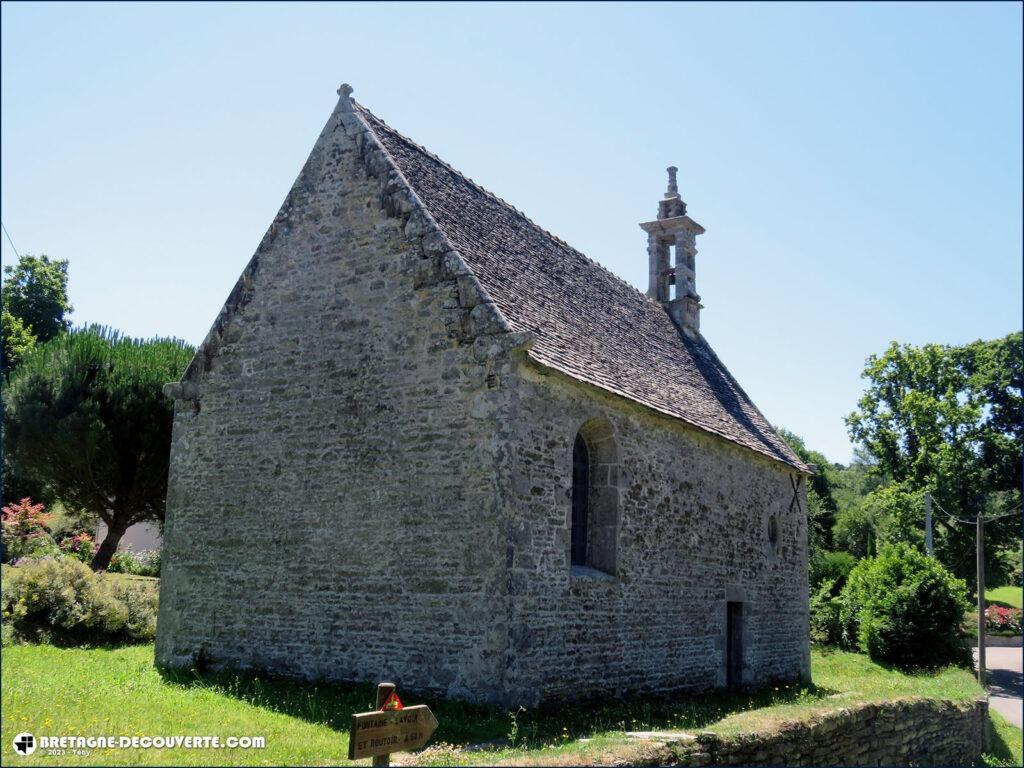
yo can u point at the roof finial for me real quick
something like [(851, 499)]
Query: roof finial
[(673, 188), (344, 90)]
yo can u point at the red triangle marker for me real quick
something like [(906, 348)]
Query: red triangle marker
[(392, 702)]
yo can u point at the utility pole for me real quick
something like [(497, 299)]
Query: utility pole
[(981, 599), (928, 524)]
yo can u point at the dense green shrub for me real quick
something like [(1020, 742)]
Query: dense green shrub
[(63, 600), (81, 546), (829, 572), (61, 596), (1010, 571), (826, 624), (905, 608), (831, 566), (141, 603), (144, 563)]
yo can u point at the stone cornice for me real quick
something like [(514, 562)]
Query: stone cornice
[(671, 226)]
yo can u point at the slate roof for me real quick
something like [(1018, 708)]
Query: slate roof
[(589, 324)]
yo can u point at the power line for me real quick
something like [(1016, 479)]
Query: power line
[(972, 522), (1005, 514), (1014, 511), (10, 241), (950, 514)]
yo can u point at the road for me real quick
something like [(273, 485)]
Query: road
[(1005, 681)]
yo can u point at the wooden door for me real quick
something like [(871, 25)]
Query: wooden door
[(734, 645)]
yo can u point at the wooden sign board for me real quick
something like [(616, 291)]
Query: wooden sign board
[(381, 733)]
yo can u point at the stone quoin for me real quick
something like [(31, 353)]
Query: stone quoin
[(426, 440)]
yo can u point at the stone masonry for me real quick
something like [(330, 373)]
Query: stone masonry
[(372, 467), (902, 732)]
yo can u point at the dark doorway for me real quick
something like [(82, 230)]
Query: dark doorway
[(734, 645), (580, 501)]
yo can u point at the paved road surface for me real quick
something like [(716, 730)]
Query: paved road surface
[(1005, 681)]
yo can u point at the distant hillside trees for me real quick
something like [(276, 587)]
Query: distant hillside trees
[(84, 415)]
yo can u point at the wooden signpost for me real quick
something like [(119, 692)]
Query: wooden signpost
[(385, 730)]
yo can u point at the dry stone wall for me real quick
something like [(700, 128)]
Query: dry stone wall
[(921, 732)]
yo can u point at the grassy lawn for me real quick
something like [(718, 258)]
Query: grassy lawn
[(48, 690), (1006, 748), (842, 679), (1007, 597)]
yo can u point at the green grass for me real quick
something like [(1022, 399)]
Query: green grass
[(851, 678), (1007, 597), (64, 691), (1006, 748), (72, 691)]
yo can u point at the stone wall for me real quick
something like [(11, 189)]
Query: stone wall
[(692, 523), (332, 498), (921, 732)]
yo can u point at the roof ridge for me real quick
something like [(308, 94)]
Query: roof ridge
[(486, 192)]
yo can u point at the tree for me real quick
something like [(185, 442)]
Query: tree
[(996, 371), (855, 530), (34, 309), (35, 292), (18, 340), (948, 420), (84, 413)]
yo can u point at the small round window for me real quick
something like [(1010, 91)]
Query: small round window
[(773, 530)]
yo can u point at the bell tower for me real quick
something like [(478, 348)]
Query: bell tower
[(671, 251)]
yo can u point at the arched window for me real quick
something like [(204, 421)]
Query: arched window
[(595, 498)]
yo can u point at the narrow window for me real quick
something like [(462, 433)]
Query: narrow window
[(773, 536), (673, 279), (580, 500), (593, 538)]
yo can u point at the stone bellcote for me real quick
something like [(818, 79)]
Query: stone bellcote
[(671, 253)]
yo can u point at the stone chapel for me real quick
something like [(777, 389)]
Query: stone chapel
[(427, 440)]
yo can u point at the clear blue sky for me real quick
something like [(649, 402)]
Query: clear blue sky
[(857, 167)]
